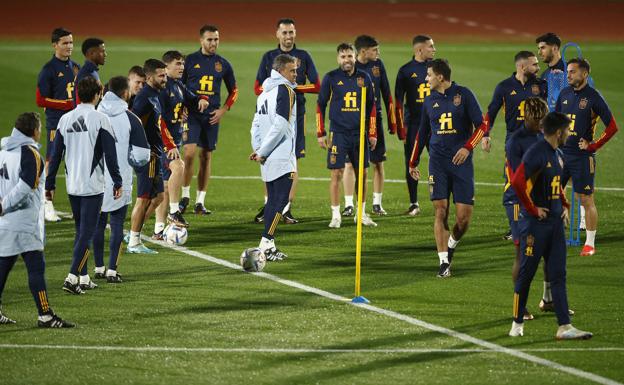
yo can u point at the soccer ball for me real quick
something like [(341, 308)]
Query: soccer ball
[(252, 260), (176, 235)]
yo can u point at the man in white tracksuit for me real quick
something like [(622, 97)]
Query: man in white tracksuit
[(273, 138), (132, 151)]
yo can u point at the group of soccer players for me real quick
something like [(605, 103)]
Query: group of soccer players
[(174, 103)]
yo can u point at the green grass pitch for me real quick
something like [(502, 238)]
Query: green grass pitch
[(179, 319)]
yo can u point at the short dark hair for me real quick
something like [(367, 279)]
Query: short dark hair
[(92, 42), (549, 38), (88, 87), (208, 28), (345, 47), (420, 39), (555, 121), (522, 55), (281, 60), (137, 70), (58, 33), (118, 85), (365, 41), (151, 65), (582, 63), (28, 122), (441, 67), (285, 21), (170, 56)]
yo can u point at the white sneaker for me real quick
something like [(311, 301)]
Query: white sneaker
[(335, 223), (569, 332), (366, 220), (49, 212), (517, 330)]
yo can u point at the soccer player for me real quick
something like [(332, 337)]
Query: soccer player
[(85, 137), (204, 71), (342, 90), (286, 34), (537, 182), (549, 49), (273, 139), (150, 188), (55, 86), (449, 115), (367, 48), (410, 90), (94, 52), (583, 105), (132, 151), (21, 215), (136, 81), (175, 98)]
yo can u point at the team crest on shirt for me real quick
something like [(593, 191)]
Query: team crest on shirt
[(298, 61), (583, 103), (376, 71), (60, 75), (332, 159), (535, 89), (218, 66), (457, 100), (360, 82)]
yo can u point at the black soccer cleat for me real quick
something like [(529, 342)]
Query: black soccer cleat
[(289, 219), (508, 236), (99, 275), (348, 211), (72, 288), (413, 210), (55, 323), (177, 219), (451, 253), (378, 210), (159, 236), (4, 320), (444, 271), (184, 202), (259, 218), (88, 286), (274, 255), (114, 278), (201, 210)]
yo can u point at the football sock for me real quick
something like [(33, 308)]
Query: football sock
[(590, 237), (265, 244), (174, 207), (286, 208), (186, 191), (73, 279), (452, 243), (547, 296), (135, 238), (100, 269), (364, 207), (111, 273), (377, 198), (443, 256), (582, 214), (200, 197), (335, 211), (84, 279), (158, 227), (349, 200)]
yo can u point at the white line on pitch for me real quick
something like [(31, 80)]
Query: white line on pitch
[(389, 313), (284, 350)]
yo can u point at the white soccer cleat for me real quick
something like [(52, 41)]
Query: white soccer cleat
[(49, 212), (569, 332), (366, 220), (517, 330), (335, 223)]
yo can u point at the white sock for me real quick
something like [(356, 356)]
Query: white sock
[(111, 273), (84, 279), (364, 208), (100, 269), (452, 243), (200, 197), (266, 199), (174, 207), (377, 198), (158, 227), (266, 244), (45, 317), (349, 200), (443, 256), (335, 211), (582, 213), (186, 191), (286, 208), (135, 238), (590, 237), (547, 296), (73, 279)]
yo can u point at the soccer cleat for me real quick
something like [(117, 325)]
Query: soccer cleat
[(517, 330), (201, 210), (126, 238), (72, 288), (366, 221), (114, 278), (444, 271), (289, 219), (588, 251), (527, 316), (4, 320), (348, 211), (55, 323), (49, 212), (99, 275), (413, 210), (177, 219), (378, 210), (335, 223), (184, 202), (569, 332), (88, 286), (508, 236), (259, 218), (159, 236), (273, 254), (549, 306), (140, 249), (451, 253)]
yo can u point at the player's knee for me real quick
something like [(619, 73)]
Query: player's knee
[(587, 200)]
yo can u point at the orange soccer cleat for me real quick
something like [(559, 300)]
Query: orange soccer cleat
[(587, 251)]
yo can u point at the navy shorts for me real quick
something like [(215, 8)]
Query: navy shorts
[(300, 139), (446, 178), (150, 178), (513, 214), (379, 153), (582, 170), (201, 132), (345, 147)]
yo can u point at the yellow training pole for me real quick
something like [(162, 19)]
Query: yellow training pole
[(360, 188)]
